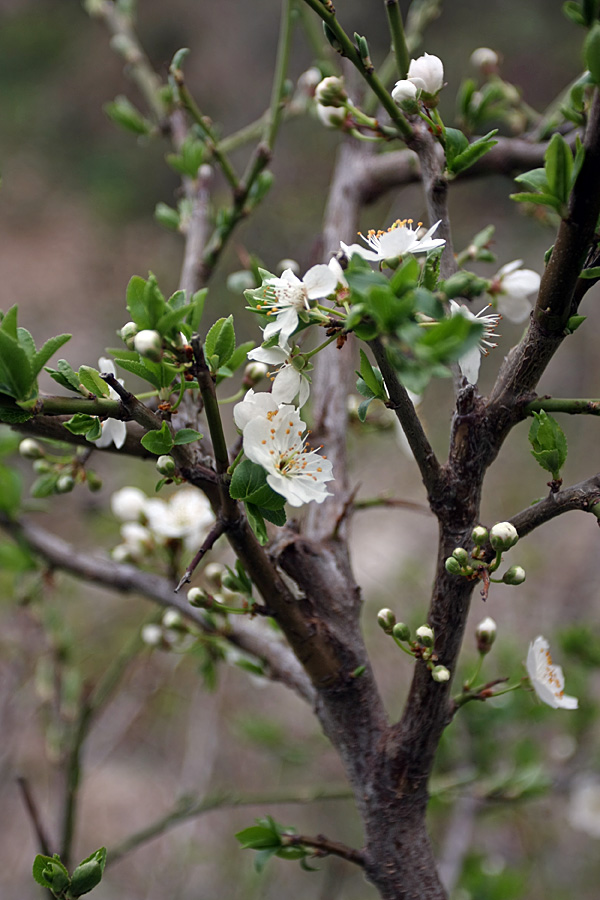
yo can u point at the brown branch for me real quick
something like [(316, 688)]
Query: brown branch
[(582, 496), (212, 537), (196, 233), (402, 405), (33, 812), (280, 663), (324, 847)]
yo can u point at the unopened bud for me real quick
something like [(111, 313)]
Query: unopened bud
[(453, 566), (486, 635), (42, 466), (405, 94), (253, 373), (152, 635), (425, 635), (401, 631), (64, 484), (461, 555), (479, 535), (332, 116), (165, 465), (172, 619), (197, 597), (148, 344), (503, 536), (386, 619), (440, 674), (128, 333), (330, 91), (485, 59), (93, 481), (30, 449), (213, 572), (514, 575)]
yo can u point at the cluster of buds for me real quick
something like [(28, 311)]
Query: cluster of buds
[(56, 474), (475, 565), (171, 634), (421, 647), (423, 82)]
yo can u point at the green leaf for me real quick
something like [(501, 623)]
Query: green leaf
[(257, 523), (65, 376), (166, 216), (15, 557), (172, 318), (8, 323), (135, 302), (142, 370), (548, 442), (154, 302), (368, 375), (593, 272), (198, 301), (572, 11), (44, 486), (159, 441), (16, 375), (123, 113), (240, 355), (558, 167), (186, 436), (540, 199), (10, 412), (26, 341), (88, 873), (405, 277), (275, 516), (49, 872), (11, 486), (90, 379), (573, 323), (363, 408), (220, 342), (9, 441), (249, 483), (472, 153), (47, 350), (257, 837), (455, 143), (80, 423)]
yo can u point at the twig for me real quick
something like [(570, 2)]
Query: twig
[(33, 812), (373, 502), (426, 459), (212, 537), (324, 847), (196, 236), (563, 405), (397, 34), (582, 496), (190, 808)]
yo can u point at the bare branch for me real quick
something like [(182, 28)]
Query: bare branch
[(324, 847), (33, 812), (582, 497)]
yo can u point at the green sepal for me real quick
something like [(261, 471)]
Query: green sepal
[(548, 442), (158, 441)]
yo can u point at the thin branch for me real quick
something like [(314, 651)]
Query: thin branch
[(563, 405), (279, 662), (212, 537), (324, 847), (196, 234), (51, 427), (400, 402), (191, 808), (35, 818), (390, 502), (582, 496), (396, 27)]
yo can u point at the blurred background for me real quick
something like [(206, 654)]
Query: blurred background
[(76, 221)]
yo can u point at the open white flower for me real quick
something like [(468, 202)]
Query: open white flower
[(113, 430), (285, 297), (400, 238), (470, 361), (547, 679), (289, 381), (511, 287), (255, 404), (277, 444), (186, 515)]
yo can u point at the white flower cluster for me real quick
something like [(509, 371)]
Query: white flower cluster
[(149, 522)]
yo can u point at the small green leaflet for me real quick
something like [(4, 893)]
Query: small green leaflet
[(548, 442), (159, 441)]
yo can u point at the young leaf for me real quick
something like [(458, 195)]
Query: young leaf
[(558, 166), (142, 370), (370, 376), (257, 523), (10, 490), (65, 376), (198, 301), (49, 872), (90, 379), (249, 483), (548, 442), (47, 350), (80, 423), (135, 302), (159, 441), (472, 153), (220, 342), (16, 375), (186, 436)]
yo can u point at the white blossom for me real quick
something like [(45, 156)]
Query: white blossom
[(427, 73), (470, 361), (186, 515), (253, 405), (277, 444), (288, 382), (152, 635), (128, 504), (547, 679), (113, 430), (400, 238), (511, 287), (285, 297), (405, 91), (583, 811), (338, 272)]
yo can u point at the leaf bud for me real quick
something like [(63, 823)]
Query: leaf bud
[(330, 91), (64, 484), (85, 878), (461, 555), (386, 619), (425, 635), (128, 333), (503, 536), (401, 631), (30, 449), (514, 575), (440, 674), (486, 635), (148, 344), (166, 216), (453, 566), (165, 465), (253, 373), (479, 535), (55, 876)]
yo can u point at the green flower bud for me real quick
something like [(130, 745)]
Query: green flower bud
[(453, 566), (440, 674), (148, 344), (461, 555), (64, 484), (479, 535), (485, 634), (425, 635), (197, 597), (30, 449), (172, 619), (514, 575), (330, 91), (503, 536), (41, 467), (386, 619), (401, 631), (165, 465)]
